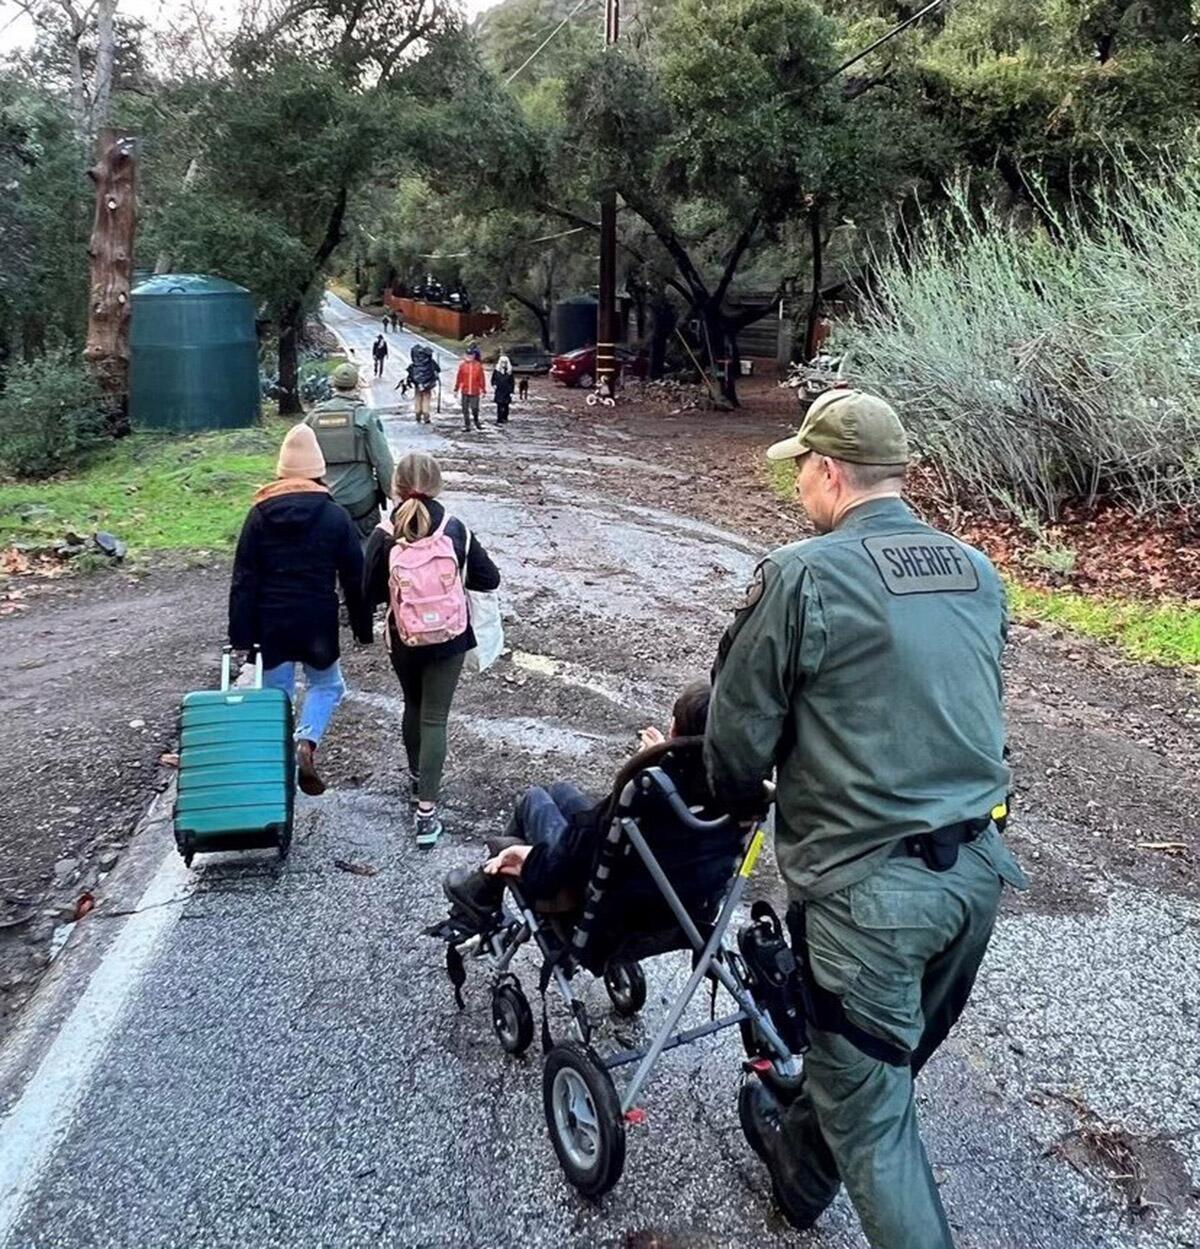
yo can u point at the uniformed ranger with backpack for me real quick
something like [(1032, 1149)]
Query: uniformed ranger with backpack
[(359, 465), (863, 669)]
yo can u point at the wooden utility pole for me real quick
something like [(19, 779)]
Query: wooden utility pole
[(606, 313), (110, 255)]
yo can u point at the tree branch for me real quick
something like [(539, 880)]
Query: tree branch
[(583, 223), (735, 258)]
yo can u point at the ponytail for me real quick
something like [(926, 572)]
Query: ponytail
[(411, 520), (417, 481)]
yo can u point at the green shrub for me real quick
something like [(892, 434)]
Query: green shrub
[(1034, 371), (50, 412)]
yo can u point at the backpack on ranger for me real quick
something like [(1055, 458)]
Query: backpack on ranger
[(425, 589)]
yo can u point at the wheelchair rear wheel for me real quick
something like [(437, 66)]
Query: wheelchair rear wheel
[(626, 985), (583, 1114), (512, 1018)]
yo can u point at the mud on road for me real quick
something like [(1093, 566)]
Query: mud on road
[(1064, 1110)]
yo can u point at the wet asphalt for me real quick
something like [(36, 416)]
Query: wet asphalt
[(291, 1068)]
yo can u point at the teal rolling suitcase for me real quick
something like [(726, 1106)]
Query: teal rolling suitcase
[(236, 769)]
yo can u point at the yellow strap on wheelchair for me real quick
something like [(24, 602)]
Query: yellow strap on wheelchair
[(1000, 811), (752, 852)]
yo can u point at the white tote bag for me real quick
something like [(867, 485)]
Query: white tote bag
[(484, 607)]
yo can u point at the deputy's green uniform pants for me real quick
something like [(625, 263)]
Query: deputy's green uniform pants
[(900, 949)]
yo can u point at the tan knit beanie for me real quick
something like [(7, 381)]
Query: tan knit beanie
[(300, 455)]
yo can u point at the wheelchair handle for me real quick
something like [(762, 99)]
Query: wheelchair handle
[(678, 807)]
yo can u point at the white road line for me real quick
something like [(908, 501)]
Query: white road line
[(38, 1123)]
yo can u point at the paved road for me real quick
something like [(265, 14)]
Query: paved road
[(263, 1056), (358, 332)]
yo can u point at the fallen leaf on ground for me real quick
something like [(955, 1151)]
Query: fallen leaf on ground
[(355, 869), (84, 904), (169, 760)]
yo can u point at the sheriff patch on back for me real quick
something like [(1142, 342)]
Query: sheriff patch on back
[(915, 564)]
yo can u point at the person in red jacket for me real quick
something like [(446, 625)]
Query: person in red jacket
[(470, 383)]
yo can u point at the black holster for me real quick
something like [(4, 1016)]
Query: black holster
[(823, 1009), (938, 850), (774, 975)]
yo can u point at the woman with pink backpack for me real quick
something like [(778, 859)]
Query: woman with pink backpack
[(421, 565)]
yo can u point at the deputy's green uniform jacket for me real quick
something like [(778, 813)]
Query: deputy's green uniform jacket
[(865, 667), (358, 462)]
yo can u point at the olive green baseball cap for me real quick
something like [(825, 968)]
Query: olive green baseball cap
[(848, 425), (345, 377)]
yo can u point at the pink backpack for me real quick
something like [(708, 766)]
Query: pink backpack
[(429, 603)]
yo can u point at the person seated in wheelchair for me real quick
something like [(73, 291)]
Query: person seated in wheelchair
[(554, 832)]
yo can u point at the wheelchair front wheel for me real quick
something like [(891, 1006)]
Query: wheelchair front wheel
[(626, 985), (583, 1115), (512, 1018)]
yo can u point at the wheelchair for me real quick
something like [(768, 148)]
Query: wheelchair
[(665, 878)]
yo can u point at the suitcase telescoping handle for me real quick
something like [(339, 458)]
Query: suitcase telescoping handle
[(227, 663)]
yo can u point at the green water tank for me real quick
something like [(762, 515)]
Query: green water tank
[(193, 354)]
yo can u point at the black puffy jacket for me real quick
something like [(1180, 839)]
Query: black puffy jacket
[(295, 546)]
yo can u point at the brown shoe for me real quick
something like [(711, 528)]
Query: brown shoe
[(306, 765)]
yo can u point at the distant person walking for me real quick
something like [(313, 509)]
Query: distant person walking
[(422, 375), (296, 544), (358, 461), (379, 353), (404, 561), (470, 383), (503, 381)]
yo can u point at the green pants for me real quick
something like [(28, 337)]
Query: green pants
[(428, 686), (901, 950)]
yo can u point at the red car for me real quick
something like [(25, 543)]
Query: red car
[(578, 367)]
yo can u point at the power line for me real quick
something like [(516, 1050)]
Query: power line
[(858, 56), (533, 55)]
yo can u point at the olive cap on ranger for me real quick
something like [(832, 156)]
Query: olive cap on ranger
[(358, 461)]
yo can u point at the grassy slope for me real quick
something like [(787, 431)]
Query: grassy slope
[(1165, 631), (155, 491)]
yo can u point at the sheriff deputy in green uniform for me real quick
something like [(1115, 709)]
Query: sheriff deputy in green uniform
[(359, 466), (864, 670)]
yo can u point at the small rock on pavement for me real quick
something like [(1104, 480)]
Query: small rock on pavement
[(108, 860), (64, 869), (137, 724)]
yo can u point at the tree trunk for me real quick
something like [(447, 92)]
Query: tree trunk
[(543, 326), (163, 263), (720, 333), (662, 321), (291, 324), (33, 336), (79, 104), (111, 269), (814, 303), (105, 55)]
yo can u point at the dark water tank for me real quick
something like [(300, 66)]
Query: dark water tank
[(575, 323), (193, 354)]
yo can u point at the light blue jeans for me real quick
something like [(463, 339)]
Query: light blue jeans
[(324, 691)]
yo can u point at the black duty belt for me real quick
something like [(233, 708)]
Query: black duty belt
[(938, 850)]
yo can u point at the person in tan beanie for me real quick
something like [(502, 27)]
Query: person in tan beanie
[(296, 545)]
